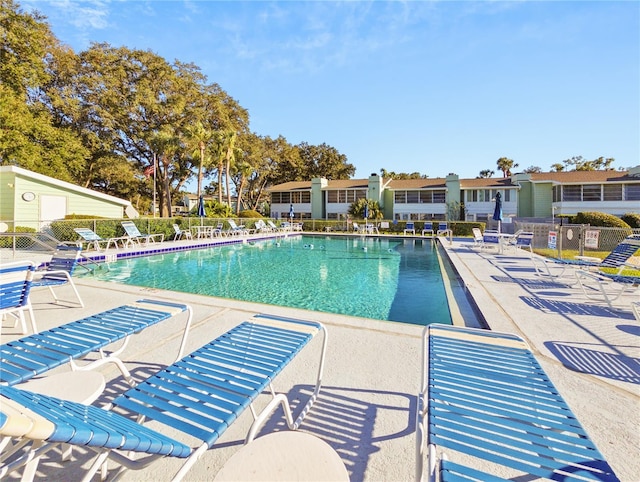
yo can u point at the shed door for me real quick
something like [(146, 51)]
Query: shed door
[(52, 208)]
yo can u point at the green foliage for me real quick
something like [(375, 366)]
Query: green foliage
[(581, 164), (463, 228), (505, 165), (599, 219), (632, 219), (455, 210), (249, 214), (401, 175), (357, 209), (82, 216), (21, 242), (214, 209)]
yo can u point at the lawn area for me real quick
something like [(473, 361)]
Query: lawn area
[(571, 254)]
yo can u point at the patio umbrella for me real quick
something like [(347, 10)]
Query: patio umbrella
[(291, 211), (366, 212), (201, 211), (497, 212)]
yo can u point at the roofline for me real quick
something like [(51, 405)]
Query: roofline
[(63, 184)]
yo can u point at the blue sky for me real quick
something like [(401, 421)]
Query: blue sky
[(428, 86)]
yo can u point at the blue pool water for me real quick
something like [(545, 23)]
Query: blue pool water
[(386, 279)]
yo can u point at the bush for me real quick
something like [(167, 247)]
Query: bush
[(632, 219), (22, 242), (249, 214), (600, 219)]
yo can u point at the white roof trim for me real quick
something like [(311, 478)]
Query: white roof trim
[(63, 184)]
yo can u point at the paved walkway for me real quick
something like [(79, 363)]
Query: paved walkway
[(366, 410)]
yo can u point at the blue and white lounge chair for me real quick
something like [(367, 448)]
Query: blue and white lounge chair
[(15, 284), (483, 394), (443, 229), (427, 229), (59, 271), (617, 259), (606, 287), (199, 396), (523, 240), (135, 236), (36, 354), (409, 228)]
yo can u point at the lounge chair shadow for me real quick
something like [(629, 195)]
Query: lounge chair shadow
[(534, 284), (345, 419), (119, 385), (615, 366), (631, 329), (573, 308)]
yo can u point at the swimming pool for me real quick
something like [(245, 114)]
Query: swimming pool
[(381, 278)]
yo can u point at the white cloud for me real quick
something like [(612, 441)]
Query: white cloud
[(91, 14)]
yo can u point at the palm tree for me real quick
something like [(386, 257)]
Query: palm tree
[(485, 173), (200, 137), (229, 155), (505, 165)]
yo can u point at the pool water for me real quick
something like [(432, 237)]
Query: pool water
[(386, 279)]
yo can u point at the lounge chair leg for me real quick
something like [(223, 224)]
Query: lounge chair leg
[(97, 464)]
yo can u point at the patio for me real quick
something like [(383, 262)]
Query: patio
[(366, 409)]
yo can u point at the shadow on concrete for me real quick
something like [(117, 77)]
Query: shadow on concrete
[(631, 329), (615, 366), (573, 308), (534, 284), (345, 418)]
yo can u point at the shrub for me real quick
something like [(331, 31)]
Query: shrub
[(632, 219), (249, 214), (600, 219), (22, 242)]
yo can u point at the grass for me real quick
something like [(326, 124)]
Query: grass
[(571, 254)]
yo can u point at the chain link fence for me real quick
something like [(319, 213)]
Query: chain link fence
[(570, 240), (564, 240), (15, 238)]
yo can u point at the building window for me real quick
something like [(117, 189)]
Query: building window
[(572, 193), (400, 197), (632, 192), (301, 197), (472, 196), (592, 192), (344, 196), (612, 192), (484, 195), (439, 196), (280, 197), (556, 194), (413, 197)]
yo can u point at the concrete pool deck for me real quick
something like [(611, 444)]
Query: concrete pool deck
[(366, 409)]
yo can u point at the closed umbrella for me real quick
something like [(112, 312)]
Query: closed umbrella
[(291, 211), (366, 212), (201, 211), (497, 212)]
